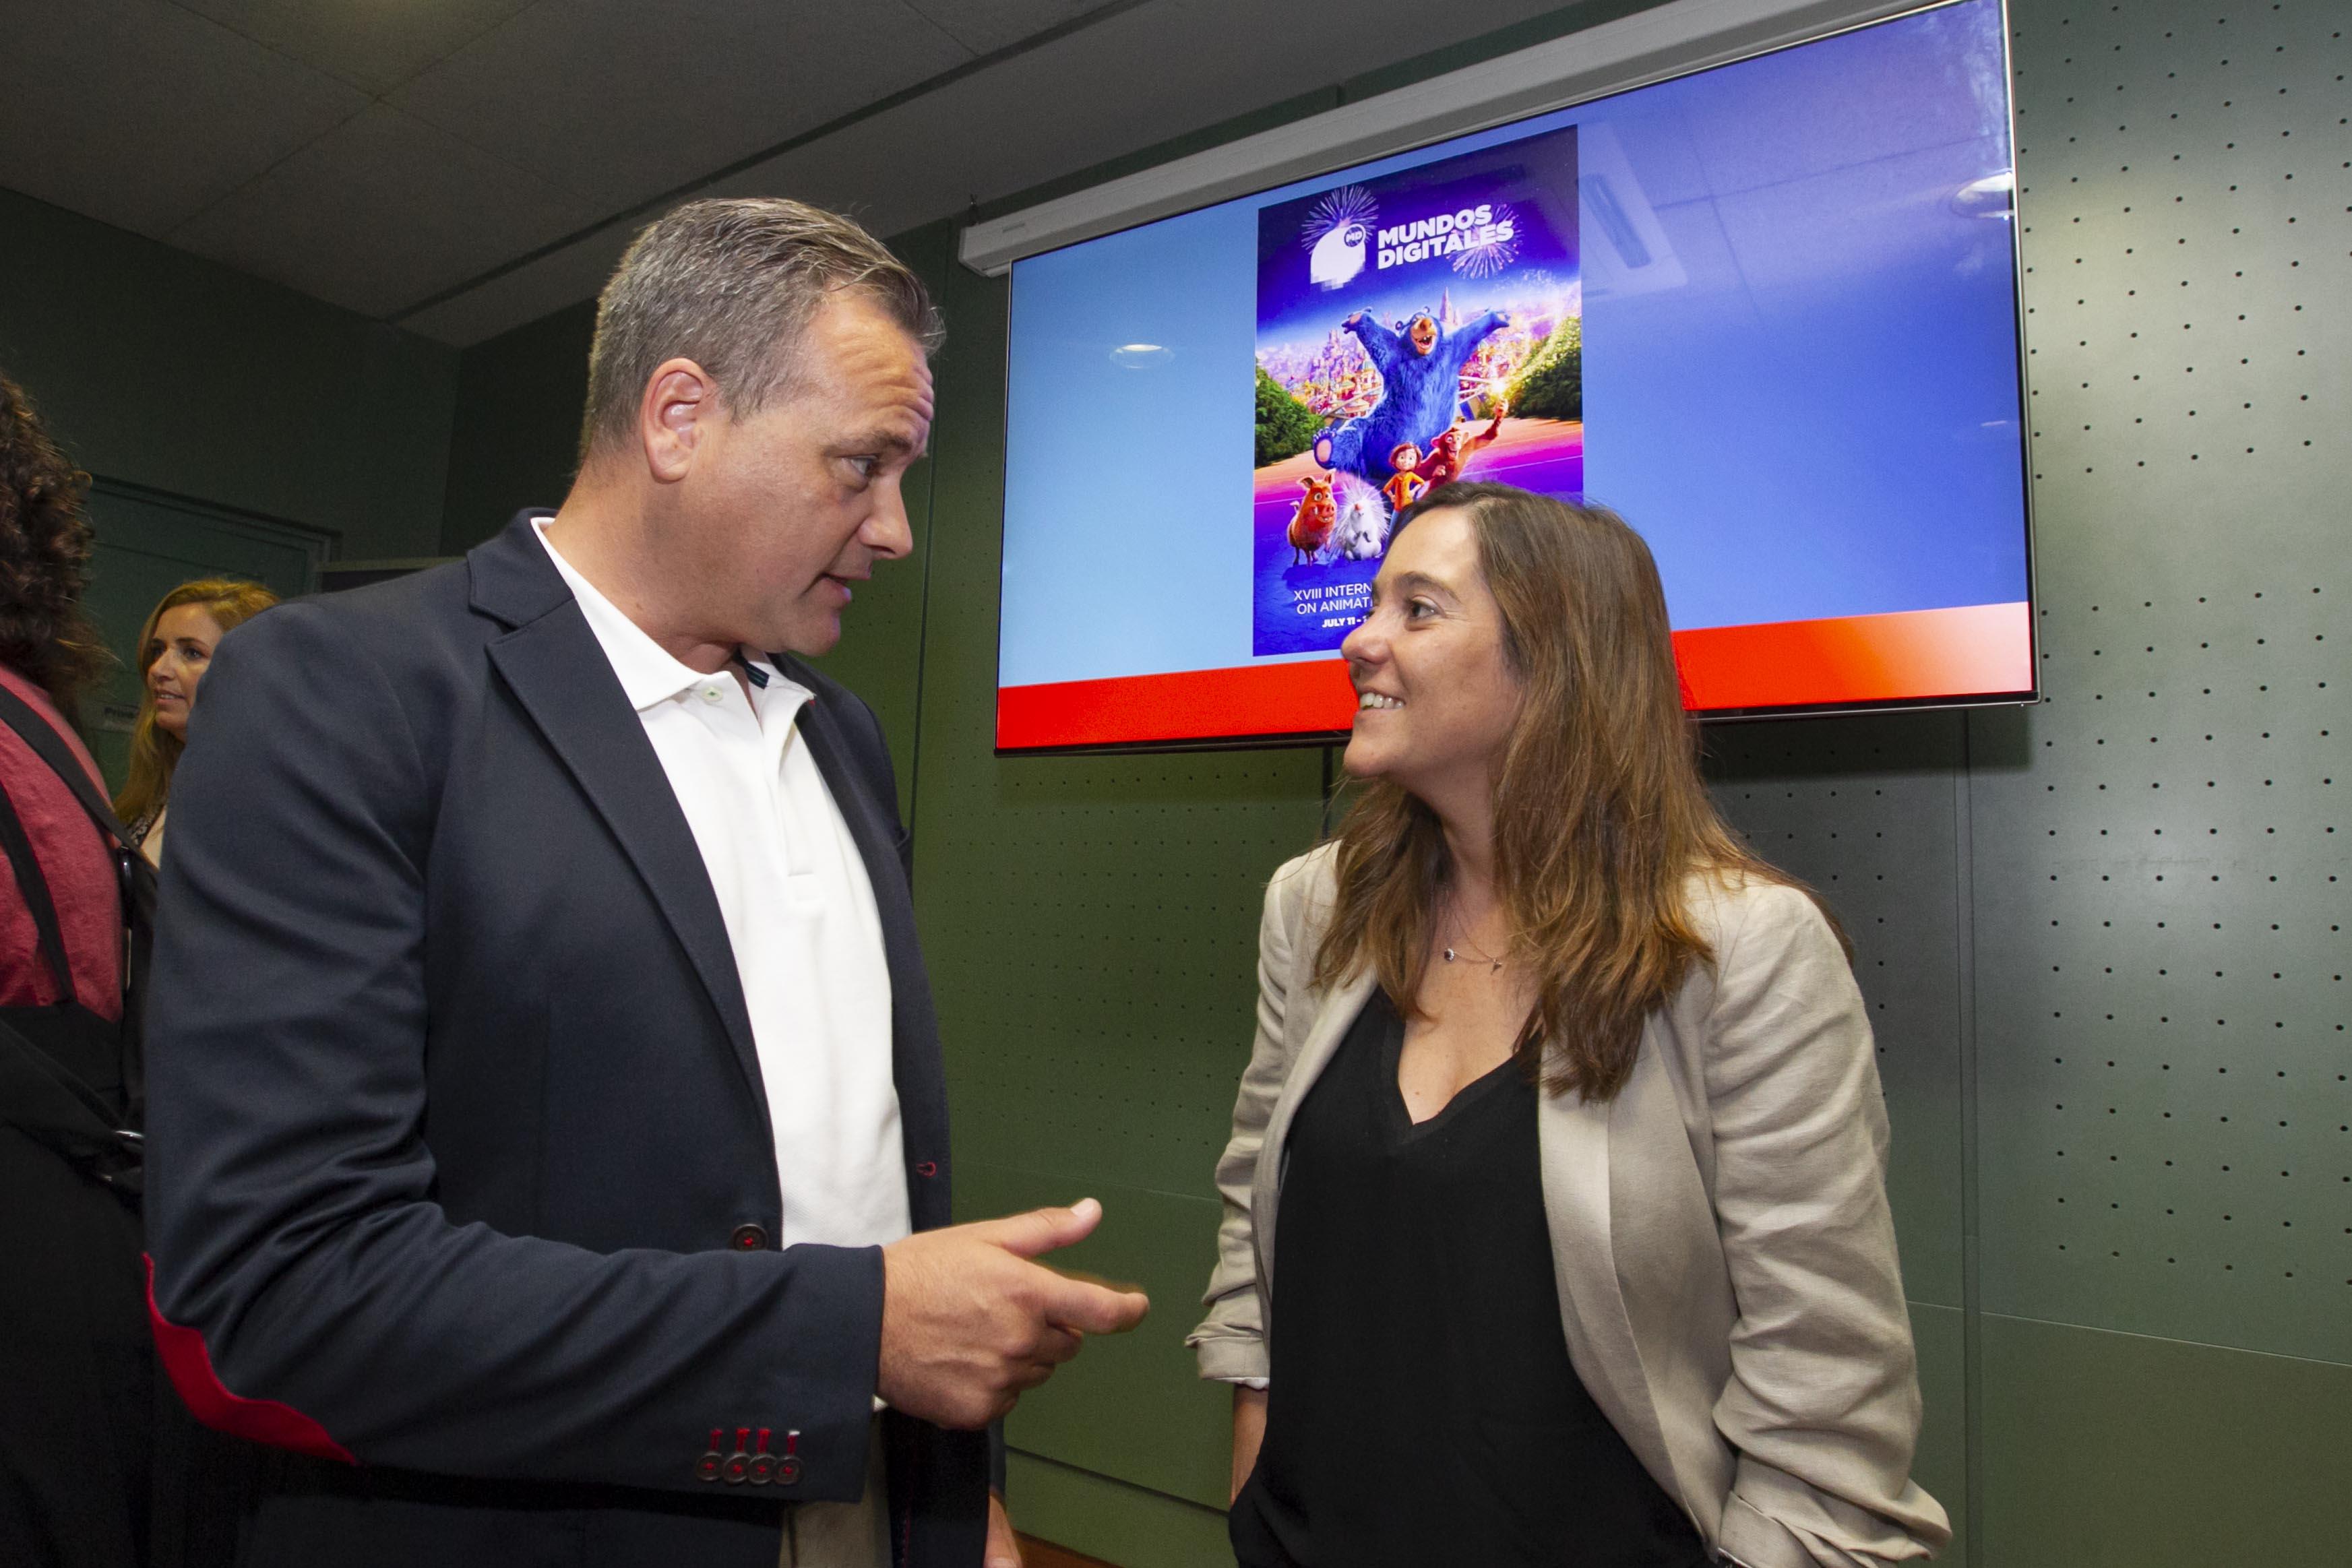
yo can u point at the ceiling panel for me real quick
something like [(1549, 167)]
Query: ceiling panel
[(139, 113), (984, 27), (618, 101), (1133, 81), (576, 272), (383, 211), (238, 132), (375, 45)]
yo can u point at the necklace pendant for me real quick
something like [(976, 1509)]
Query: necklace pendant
[(1449, 955), (1499, 966)]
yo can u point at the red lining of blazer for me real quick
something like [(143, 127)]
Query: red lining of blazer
[(189, 1361)]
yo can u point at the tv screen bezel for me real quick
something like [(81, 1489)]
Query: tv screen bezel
[(1303, 739)]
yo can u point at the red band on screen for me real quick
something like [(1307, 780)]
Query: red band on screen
[(1978, 650)]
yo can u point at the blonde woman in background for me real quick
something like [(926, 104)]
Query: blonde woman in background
[(175, 647)]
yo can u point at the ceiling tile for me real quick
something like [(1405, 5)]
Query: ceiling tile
[(139, 113), (387, 212), (983, 27), (372, 46), (576, 272), (383, 211), (619, 100), (1132, 82)]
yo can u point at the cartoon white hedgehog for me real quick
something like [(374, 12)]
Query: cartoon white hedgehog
[(1362, 530)]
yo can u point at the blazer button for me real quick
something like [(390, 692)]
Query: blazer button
[(749, 1239), (787, 1472)]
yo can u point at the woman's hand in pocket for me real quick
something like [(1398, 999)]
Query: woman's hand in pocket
[(1249, 1432)]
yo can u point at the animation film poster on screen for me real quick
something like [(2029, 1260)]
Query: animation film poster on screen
[(1413, 328)]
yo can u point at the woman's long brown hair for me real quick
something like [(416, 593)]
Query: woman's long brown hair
[(1600, 815), (154, 750)]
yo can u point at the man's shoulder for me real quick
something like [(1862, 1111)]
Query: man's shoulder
[(438, 598), (399, 625), (416, 642)]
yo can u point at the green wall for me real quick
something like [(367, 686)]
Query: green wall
[(235, 427), (514, 438), (162, 369)]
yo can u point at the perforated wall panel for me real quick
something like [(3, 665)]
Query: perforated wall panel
[(2161, 878), (1865, 810), (1119, 997)]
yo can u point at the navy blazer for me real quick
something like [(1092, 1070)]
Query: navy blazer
[(461, 1179)]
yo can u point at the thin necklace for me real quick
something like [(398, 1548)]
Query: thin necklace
[(1455, 910)]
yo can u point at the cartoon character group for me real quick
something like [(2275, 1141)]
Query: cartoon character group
[(1412, 440), (1339, 518), (1421, 391)]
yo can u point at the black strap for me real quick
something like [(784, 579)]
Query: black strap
[(39, 1096), (49, 1105), (135, 876), (42, 736), (35, 888)]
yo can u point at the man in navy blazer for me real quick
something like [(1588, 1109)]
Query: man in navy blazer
[(464, 1160)]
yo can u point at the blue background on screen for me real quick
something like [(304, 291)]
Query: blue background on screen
[(1800, 363)]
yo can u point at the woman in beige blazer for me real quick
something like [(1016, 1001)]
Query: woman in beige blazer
[(1565, 1103)]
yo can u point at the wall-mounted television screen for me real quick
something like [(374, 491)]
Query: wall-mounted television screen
[(1767, 312)]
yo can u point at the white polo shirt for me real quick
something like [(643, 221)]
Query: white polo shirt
[(800, 915)]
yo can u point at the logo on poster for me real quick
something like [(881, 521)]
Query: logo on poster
[(1336, 232), (1482, 227), (1337, 257)]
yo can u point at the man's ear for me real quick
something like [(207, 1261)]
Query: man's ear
[(681, 402)]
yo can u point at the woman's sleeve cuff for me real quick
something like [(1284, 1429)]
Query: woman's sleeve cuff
[(1224, 1360)]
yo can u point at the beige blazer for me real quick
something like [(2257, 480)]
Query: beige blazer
[(1719, 1230)]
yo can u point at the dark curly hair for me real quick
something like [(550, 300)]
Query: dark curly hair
[(45, 549)]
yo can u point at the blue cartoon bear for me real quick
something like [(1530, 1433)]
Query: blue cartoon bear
[(1421, 381)]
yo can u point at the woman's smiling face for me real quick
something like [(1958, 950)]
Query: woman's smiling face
[(185, 636), (1435, 692)]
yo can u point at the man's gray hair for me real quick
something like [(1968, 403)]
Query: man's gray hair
[(732, 284)]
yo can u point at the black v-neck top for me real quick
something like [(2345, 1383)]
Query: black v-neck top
[(1423, 1408)]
